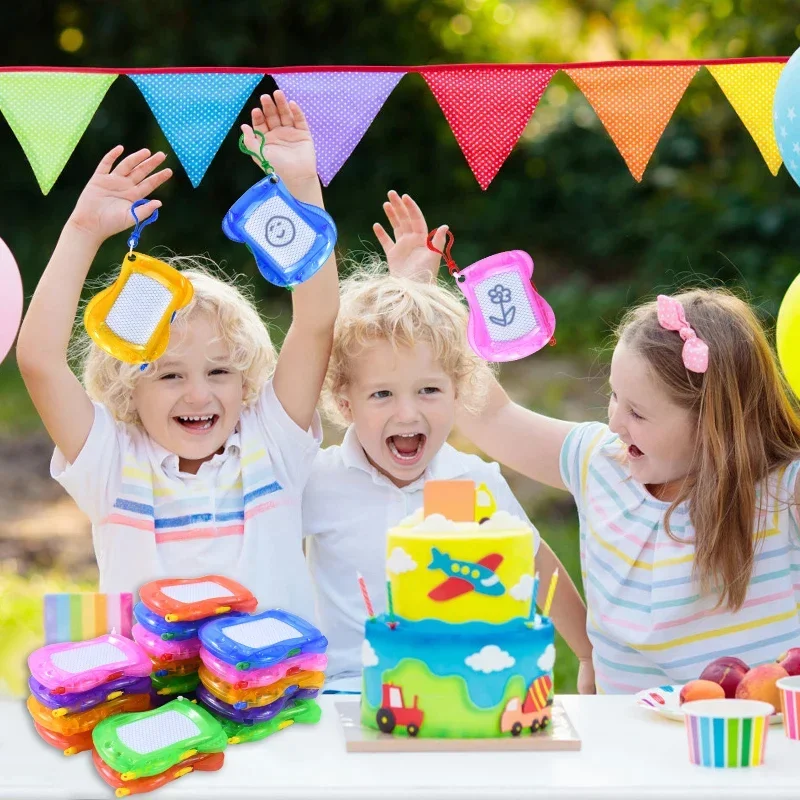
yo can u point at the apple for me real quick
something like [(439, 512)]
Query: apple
[(790, 661), (727, 671)]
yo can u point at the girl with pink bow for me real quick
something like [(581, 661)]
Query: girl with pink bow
[(687, 498)]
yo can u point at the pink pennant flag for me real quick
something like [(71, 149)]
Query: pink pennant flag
[(339, 106), (488, 108)]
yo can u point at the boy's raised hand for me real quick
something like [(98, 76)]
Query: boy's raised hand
[(104, 207), (408, 255), (288, 143)]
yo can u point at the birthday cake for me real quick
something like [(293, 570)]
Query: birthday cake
[(460, 653)]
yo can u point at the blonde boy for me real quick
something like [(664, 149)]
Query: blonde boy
[(399, 366)]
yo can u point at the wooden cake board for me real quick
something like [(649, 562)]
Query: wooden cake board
[(559, 735)]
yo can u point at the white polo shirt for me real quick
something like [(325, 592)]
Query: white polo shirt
[(348, 507), (239, 516)]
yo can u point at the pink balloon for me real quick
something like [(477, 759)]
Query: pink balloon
[(10, 299)]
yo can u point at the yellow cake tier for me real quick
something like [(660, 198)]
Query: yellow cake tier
[(461, 571)]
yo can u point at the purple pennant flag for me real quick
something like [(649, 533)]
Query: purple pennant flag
[(339, 106)]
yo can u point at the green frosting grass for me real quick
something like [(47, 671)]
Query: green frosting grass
[(445, 701)]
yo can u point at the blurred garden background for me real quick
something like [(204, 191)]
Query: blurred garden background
[(707, 210)]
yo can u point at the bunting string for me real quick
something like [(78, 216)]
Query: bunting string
[(486, 105)]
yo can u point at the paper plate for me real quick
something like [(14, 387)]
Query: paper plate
[(665, 701)]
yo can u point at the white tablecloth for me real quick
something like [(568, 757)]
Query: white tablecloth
[(627, 753)]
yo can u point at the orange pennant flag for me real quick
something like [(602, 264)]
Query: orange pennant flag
[(750, 89), (634, 104)]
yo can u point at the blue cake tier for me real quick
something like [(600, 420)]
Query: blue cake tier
[(457, 680)]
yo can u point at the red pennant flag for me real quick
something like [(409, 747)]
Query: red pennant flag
[(634, 103), (487, 107)]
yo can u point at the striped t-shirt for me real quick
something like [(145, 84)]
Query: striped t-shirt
[(647, 621), (239, 516)]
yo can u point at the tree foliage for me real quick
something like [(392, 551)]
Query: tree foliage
[(707, 208)]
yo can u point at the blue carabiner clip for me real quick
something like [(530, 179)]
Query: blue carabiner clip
[(133, 241)]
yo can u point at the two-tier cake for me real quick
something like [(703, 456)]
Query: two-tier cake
[(460, 653)]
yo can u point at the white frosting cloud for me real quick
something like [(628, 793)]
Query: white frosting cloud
[(490, 659), (547, 659), (399, 562), (369, 658), (413, 519), (503, 521), (524, 589), (436, 523)]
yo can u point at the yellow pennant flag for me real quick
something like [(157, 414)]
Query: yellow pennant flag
[(750, 89), (49, 112)]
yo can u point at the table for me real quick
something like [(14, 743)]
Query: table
[(627, 753)]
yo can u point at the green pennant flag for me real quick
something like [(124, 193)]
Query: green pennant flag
[(48, 112)]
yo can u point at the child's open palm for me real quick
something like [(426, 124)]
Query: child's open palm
[(288, 143), (408, 255), (104, 207)]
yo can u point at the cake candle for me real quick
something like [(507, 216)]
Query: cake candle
[(389, 599), (365, 594), (534, 593), (550, 593), (392, 621)]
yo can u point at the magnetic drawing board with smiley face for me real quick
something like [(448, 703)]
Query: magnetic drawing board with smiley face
[(290, 240)]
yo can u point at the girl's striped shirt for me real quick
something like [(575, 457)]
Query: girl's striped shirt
[(647, 620)]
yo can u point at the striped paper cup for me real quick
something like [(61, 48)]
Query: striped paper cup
[(790, 699), (727, 733)]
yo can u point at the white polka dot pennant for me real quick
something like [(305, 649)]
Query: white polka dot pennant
[(339, 107), (634, 103), (750, 89), (488, 108), (196, 110), (49, 112)]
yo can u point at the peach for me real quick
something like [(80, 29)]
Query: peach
[(727, 671), (759, 684), (790, 661), (701, 690)]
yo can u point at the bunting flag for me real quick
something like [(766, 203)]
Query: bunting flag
[(634, 103), (339, 107), (750, 89), (488, 108), (49, 112), (486, 105), (196, 111)]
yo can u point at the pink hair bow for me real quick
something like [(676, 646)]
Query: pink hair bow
[(672, 317)]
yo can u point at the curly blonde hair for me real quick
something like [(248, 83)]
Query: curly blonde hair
[(228, 302), (377, 306)]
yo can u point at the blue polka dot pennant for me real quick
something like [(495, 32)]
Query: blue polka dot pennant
[(196, 111)]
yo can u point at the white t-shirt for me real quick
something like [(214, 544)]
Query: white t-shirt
[(239, 516), (348, 507)]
